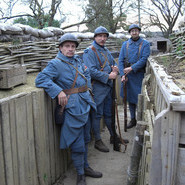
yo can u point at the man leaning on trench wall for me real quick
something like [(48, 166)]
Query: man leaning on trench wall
[(67, 79)]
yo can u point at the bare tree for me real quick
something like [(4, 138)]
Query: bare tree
[(41, 12), (53, 10), (38, 11), (8, 7), (166, 16), (1, 11)]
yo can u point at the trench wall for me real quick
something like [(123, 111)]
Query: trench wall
[(162, 107), (29, 137), (29, 142)]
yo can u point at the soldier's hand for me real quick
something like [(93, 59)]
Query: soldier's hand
[(62, 98), (127, 70), (115, 69), (112, 75), (124, 78)]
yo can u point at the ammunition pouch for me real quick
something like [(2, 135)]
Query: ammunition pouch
[(127, 64), (59, 114), (60, 110)]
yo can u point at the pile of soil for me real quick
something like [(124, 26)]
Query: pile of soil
[(173, 67)]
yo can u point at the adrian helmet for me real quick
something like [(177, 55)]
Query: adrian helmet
[(132, 26), (68, 37), (100, 30)]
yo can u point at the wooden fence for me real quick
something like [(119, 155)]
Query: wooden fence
[(29, 142), (162, 106), (32, 54), (178, 42)]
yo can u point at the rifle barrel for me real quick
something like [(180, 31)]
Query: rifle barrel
[(125, 105), (116, 145)]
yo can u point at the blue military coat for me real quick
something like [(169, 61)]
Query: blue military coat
[(138, 62), (101, 84), (59, 75)]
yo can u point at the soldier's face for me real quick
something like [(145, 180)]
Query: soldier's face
[(101, 39), (68, 49), (134, 33)]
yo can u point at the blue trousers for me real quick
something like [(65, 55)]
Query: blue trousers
[(80, 160), (103, 110), (132, 108), (79, 156)]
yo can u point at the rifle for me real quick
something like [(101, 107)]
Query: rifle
[(120, 137), (116, 144), (125, 103), (127, 64)]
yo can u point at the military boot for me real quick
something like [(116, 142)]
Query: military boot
[(118, 140), (80, 180), (99, 145), (92, 173), (132, 123)]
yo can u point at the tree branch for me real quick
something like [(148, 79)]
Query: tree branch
[(15, 16), (80, 23)]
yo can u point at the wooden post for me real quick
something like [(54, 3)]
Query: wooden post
[(140, 107), (22, 60), (136, 154)]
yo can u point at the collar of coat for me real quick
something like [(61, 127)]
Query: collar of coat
[(138, 42), (67, 59), (98, 47)]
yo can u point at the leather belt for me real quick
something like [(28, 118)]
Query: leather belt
[(76, 90)]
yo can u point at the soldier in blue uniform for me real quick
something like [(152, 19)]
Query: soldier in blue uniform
[(103, 70), (132, 61), (67, 79)]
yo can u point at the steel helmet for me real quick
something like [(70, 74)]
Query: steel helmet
[(132, 26), (68, 37), (100, 30)]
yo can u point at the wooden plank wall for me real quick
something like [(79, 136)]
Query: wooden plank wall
[(29, 141), (163, 159)]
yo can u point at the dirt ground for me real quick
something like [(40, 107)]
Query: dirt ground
[(173, 67), (113, 164)]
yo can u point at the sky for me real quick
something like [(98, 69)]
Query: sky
[(73, 10)]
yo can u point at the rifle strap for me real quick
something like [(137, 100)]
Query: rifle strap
[(119, 130), (73, 90), (74, 68), (102, 66), (106, 59), (140, 45), (74, 82), (127, 50), (140, 49)]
